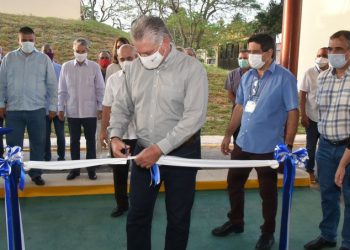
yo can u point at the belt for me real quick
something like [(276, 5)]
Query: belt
[(338, 143)]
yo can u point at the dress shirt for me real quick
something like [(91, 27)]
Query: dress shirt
[(114, 82), (80, 89), (276, 94), (333, 98), (111, 69), (233, 79), (309, 85), (27, 82), (169, 103)]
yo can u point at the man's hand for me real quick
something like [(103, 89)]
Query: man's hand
[(339, 176), (117, 147), (225, 145), (61, 116), (2, 113), (52, 115), (305, 121), (104, 140), (99, 115), (148, 156)]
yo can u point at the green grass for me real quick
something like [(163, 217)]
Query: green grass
[(61, 34)]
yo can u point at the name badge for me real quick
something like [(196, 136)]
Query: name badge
[(250, 106)]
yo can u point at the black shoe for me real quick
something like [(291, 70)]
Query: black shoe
[(319, 243), (265, 242), (226, 229), (38, 181), (118, 211), (92, 175), (72, 175), (344, 248)]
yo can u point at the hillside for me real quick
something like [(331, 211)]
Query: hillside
[(58, 32)]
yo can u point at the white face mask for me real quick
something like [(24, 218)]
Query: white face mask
[(321, 62), (153, 61), (337, 61), (80, 57), (125, 63), (27, 47), (255, 61)]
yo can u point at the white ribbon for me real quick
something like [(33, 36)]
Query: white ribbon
[(164, 160)]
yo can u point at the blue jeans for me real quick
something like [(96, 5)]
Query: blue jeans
[(312, 136), (61, 140), (35, 123), (328, 157), (179, 186)]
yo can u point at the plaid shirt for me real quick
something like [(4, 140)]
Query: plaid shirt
[(333, 98)]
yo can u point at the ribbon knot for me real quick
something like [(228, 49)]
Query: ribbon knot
[(298, 157), (13, 158)]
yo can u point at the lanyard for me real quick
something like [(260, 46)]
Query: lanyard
[(255, 87)]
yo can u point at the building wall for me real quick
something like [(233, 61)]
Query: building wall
[(67, 9), (320, 19)]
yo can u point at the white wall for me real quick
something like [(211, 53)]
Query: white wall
[(67, 9), (320, 19)]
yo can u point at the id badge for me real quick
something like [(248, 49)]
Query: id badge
[(250, 106)]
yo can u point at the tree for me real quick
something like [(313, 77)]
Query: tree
[(270, 20), (99, 10)]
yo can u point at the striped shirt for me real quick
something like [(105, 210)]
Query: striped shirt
[(333, 98)]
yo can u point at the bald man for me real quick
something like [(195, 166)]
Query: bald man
[(126, 54)]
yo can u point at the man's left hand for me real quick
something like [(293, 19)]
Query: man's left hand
[(52, 114), (148, 156)]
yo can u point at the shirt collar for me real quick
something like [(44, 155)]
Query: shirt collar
[(85, 62), (170, 56), (271, 69), (22, 53), (347, 72)]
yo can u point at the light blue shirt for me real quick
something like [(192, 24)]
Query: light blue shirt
[(80, 89), (27, 82), (276, 94), (57, 67)]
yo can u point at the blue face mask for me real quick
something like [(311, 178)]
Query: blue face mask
[(243, 63), (337, 61)]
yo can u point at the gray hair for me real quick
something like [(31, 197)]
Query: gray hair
[(81, 41), (149, 26), (127, 46)]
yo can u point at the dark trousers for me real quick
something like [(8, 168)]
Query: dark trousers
[(61, 141), (35, 123), (312, 136), (179, 197), (120, 178), (1, 140), (236, 180), (89, 127)]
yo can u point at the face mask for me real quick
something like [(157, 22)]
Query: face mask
[(50, 54), (27, 47), (321, 62), (255, 61), (337, 61), (104, 63), (243, 63), (153, 61), (125, 64), (80, 57)]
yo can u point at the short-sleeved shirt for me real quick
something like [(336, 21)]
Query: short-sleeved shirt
[(233, 79), (333, 99), (113, 85), (276, 95), (309, 85)]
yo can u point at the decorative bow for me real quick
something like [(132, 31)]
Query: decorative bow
[(299, 156)]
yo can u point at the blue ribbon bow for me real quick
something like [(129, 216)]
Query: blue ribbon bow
[(11, 168), (291, 160), (155, 175)]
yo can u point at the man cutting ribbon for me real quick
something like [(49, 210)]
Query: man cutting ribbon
[(167, 93)]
